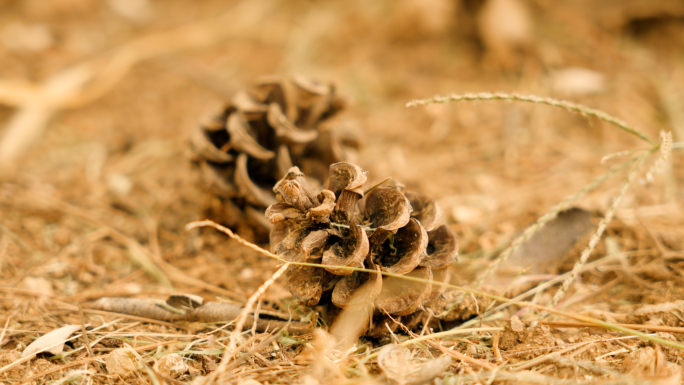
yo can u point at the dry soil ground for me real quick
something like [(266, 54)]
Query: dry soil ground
[(97, 100)]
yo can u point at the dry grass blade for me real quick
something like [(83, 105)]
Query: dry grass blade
[(438, 336), (650, 328), (546, 357), (242, 318), (569, 106)]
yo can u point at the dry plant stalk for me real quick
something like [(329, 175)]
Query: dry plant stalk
[(568, 106), (259, 135)]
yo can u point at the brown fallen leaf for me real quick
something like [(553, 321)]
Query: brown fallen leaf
[(542, 253)]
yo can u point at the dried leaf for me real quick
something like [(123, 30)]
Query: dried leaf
[(576, 81), (184, 301), (543, 252), (650, 363), (505, 26), (430, 369), (52, 342)]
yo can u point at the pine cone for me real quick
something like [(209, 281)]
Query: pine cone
[(258, 136), (386, 230)]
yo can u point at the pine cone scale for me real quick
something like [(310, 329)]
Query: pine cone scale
[(242, 141)]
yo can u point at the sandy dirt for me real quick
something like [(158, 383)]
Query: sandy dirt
[(98, 100)]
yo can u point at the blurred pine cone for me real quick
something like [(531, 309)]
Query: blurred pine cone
[(386, 229), (259, 136)]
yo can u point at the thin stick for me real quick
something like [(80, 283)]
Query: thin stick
[(569, 106), (4, 328), (463, 357), (546, 357), (230, 233), (495, 347), (250, 304), (389, 178), (649, 328), (84, 333), (235, 335)]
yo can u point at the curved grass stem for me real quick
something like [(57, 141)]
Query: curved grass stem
[(568, 106)]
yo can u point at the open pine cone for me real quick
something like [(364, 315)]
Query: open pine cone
[(386, 230), (260, 135)]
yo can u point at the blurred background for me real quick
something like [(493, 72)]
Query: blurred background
[(97, 99)]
